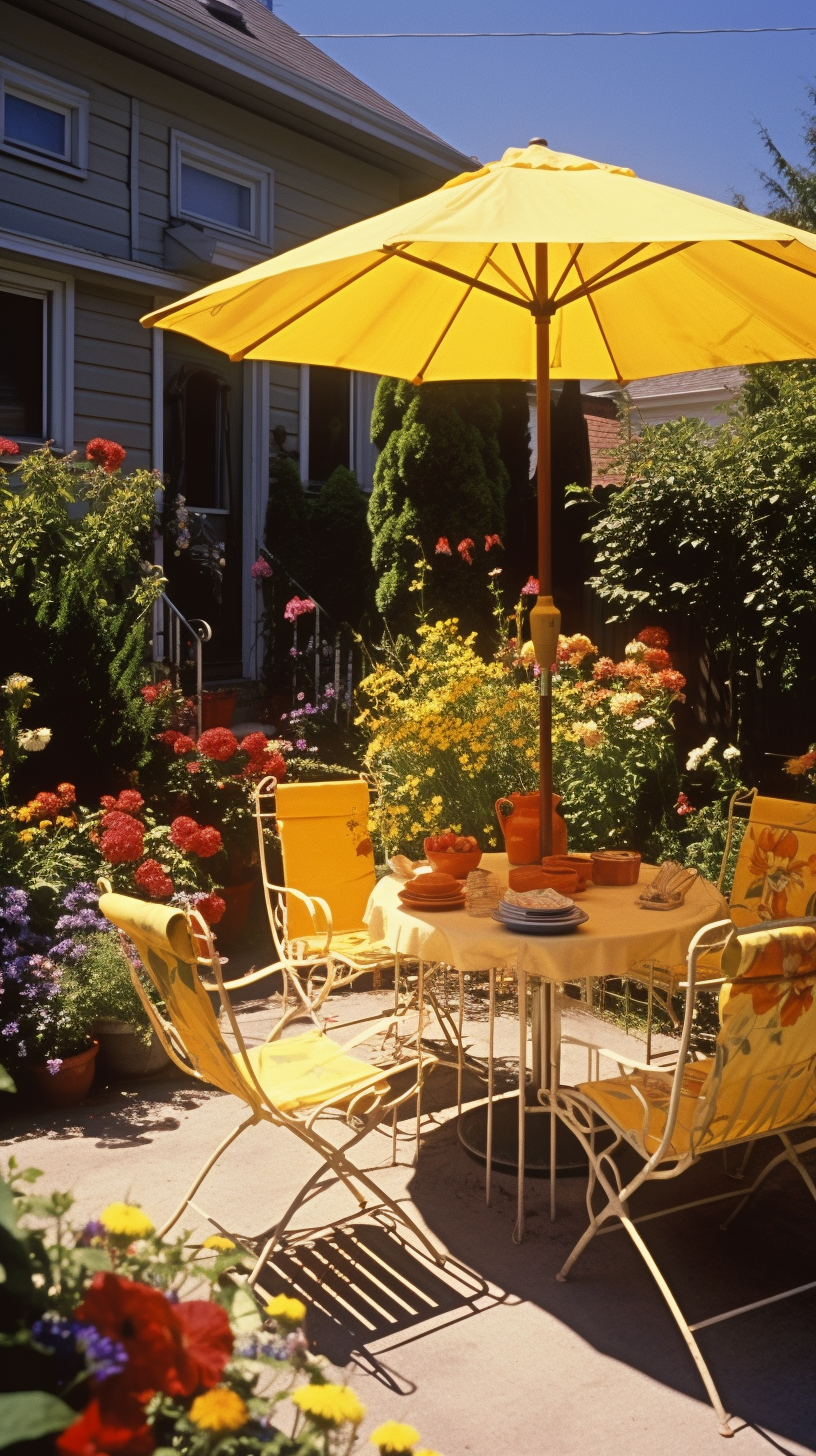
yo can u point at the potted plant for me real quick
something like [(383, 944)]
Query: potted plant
[(107, 1001)]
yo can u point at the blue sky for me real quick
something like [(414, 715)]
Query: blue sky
[(679, 110)]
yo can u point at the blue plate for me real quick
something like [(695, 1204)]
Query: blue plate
[(542, 927)]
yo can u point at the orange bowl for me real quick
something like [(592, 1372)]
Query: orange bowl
[(452, 863), (615, 867)]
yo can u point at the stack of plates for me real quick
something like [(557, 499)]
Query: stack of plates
[(433, 892), (539, 912)]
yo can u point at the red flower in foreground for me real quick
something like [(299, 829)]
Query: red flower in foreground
[(123, 839), (106, 453), (218, 743), (442, 547), (152, 878), (170, 736), (657, 658), (654, 637), (183, 744), (112, 1425), (173, 1348), (530, 588), (465, 549), (8, 447), (205, 842), (491, 541), (211, 908), (129, 802), (274, 763)]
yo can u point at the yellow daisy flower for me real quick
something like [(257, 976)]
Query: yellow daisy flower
[(219, 1410), (287, 1311), (329, 1405), (126, 1220), (216, 1242), (393, 1436)]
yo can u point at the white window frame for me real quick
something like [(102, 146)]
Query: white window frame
[(57, 292), (57, 96), (207, 158)]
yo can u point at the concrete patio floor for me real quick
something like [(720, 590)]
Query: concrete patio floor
[(492, 1355)]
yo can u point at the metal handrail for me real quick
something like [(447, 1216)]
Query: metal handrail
[(168, 625)]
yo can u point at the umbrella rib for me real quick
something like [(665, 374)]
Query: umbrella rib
[(601, 330), (506, 276), (570, 264), (523, 266), (418, 378), (532, 305), (771, 257), (293, 318), (592, 287)]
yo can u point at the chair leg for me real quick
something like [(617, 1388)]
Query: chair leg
[(694, 1350), (210, 1163), (789, 1154)]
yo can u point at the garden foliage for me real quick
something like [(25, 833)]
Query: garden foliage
[(76, 592), (439, 474)]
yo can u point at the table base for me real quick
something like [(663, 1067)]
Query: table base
[(472, 1129)]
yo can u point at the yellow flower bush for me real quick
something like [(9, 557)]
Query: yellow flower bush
[(449, 733)]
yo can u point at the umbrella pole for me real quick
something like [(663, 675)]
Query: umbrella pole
[(544, 619)]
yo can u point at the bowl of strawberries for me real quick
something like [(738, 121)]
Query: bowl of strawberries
[(457, 854)]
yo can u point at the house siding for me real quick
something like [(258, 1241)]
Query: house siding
[(112, 372)]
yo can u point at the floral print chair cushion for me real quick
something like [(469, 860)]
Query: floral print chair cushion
[(775, 876), (762, 1077)]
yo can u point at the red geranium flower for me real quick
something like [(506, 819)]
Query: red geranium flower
[(255, 744), (8, 447), (673, 681), (657, 658), (442, 547), (654, 637), (205, 842), (183, 744), (465, 549), (123, 839), (173, 1348), (170, 736), (491, 541), (274, 763), (193, 767), (211, 908), (106, 453), (182, 831), (113, 1424), (47, 806), (530, 588), (217, 743), (67, 793), (151, 877)]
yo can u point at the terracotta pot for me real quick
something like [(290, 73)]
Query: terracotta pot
[(520, 827), (546, 877), (616, 867), (216, 710), (71, 1083), (580, 865), (232, 923), (451, 863)]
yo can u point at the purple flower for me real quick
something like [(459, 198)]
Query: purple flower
[(91, 1232), (300, 743), (11, 1028), (104, 1357), (54, 1065)]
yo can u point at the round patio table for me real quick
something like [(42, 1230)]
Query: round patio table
[(619, 939)]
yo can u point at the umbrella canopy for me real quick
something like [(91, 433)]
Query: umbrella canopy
[(542, 265)]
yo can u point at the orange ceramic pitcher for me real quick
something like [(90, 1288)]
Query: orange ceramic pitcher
[(519, 817)]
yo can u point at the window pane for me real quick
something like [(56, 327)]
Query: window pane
[(329, 403), (21, 366), (35, 126), (216, 198)]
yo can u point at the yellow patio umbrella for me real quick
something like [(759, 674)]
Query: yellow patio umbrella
[(544, 266)]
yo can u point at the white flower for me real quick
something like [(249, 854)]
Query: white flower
[(17, 683), (697, 755), (34, 740), (731, 752), (641, 723), (635, 649)]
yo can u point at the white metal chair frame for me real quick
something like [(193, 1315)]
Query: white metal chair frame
[(585, 1119), (363, 1111)]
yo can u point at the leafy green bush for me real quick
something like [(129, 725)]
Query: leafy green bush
[(76, 591), (99, 987)]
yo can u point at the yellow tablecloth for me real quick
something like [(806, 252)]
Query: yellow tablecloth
[(617, 937)]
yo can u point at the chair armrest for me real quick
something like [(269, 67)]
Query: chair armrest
[(309, 901), (246, 980)]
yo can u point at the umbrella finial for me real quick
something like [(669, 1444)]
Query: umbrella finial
[(538, 142)]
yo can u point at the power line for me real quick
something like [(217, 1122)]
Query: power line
[(548, 34)]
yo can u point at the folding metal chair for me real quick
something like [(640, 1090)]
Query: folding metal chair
[(758, 1084), (294, 1083)]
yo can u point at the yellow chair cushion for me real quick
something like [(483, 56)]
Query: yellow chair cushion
[(617, 1098), (355, 944), (327, 851), (303, 1071)]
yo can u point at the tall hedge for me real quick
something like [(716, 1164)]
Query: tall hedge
[(439, 474)]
